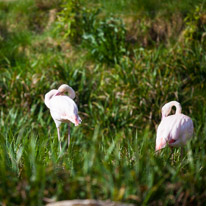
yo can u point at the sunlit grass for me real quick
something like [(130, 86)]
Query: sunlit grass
[(96, 166)]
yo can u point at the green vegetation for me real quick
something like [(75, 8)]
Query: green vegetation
[(124, 60)]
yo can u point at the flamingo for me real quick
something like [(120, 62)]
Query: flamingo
[(62, 108), (174, 130)]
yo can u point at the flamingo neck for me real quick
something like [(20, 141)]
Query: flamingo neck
[(49, 95), (65, 88), (71, 92), (177, 105)]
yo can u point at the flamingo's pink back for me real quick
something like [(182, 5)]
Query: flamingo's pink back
[(64, 109), (174, 130)]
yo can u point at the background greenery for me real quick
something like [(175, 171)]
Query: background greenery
[(124, 59)]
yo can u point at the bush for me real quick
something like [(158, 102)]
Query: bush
[(107, 40), (196, 26), (104, 37)]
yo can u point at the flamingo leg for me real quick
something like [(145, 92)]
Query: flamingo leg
[(68, 134), (181, 153), (59, 138), (172, 154)]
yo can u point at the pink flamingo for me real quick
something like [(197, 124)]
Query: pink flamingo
[(62, 108), (173, 130)]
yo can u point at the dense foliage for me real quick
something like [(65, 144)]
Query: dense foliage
[(124, 60)]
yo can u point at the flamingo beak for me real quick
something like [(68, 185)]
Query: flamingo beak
[(58, 93)]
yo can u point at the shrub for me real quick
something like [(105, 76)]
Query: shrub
[(104, 37), (195, 26)]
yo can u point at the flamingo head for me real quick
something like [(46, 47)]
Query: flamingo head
[(65, 88)]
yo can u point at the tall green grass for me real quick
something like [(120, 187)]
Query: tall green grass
[(121, 165), (111, 155)]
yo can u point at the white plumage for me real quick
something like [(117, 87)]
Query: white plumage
[(173, 130), (62, 108)]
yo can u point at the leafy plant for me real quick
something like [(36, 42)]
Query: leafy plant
[(106, 40), (103, 36), (195, 25)]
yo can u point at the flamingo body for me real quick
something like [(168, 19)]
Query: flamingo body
[(174, 130), (63, 109)]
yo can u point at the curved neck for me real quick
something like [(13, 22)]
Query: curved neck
[(177, 105), (71, 93), (49, 95), (65, 88)]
